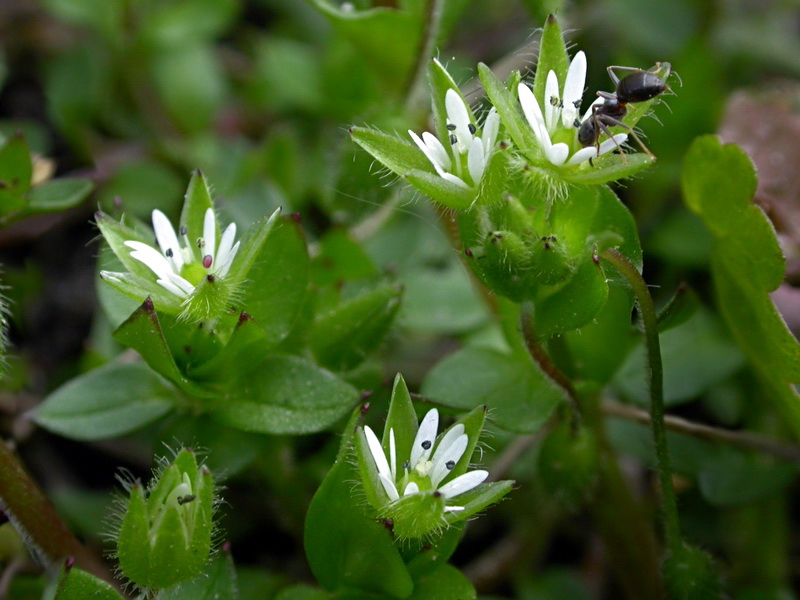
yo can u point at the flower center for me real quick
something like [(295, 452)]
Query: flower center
[(193, 272)]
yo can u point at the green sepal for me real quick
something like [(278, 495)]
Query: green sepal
[(16, 168), (440, 81), (417, 515), (133, 541), (196, 202), (58, 194), (477, 499), (402, 418), (495, 181), (607, 168), (250, 247), (140, 290), (552, 57), (142, 332), (342, 338), (507, 106), (396, 154), (441, 190), (217, 580), (75, 584)]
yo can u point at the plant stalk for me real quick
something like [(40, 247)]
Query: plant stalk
[(647, 310)]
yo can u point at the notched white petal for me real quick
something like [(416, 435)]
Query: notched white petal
[(532, 112), (437, 150), (458, 114), (453, 508), (612, 143), (167, 240), (573, 89), (448, 459), (426, 435), (463, 483), (427, 152), (392, 455)]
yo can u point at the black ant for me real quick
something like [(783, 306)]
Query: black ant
[(639, 86)]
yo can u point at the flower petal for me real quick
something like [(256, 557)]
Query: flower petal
[(573, 89), (475, 161), (225, 265), (582, 155), (552, 102), (152, 258), (171, 287), (530, 107), (389, 487), (437, 149), (557, 153), (612, 143), (225, 246), (167, 240), (463, 483), (392, 455), (458, 114), (444, 463), (453, 508), (431, 156), (453, 179), (411, 488), (378, 456), (209, 235), (491, 126), (179, 281), (426, 435)]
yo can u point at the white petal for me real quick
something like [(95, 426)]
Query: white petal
[(491, 126), (224, 266), (171, 287), (437, 150), (582, 155), (152, 258), (427, 151), (378, 456), (475, 161), (392, 455), (612, 143), (453, 179), (225, 246), (448, 439), (588, 113), (558, 153), (573, 89), (426, 434), (180, 282), (209, 234), (453, 453), (389, 487), (463, 483), (458, 115), (551, 94), (167, 240), (530, 107), (453, 508), (411, 488)]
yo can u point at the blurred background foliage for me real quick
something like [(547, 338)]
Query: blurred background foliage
[(258, 94)]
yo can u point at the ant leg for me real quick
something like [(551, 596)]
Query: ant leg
[(606, 120), (606, 130), (607, 95), (613, 68)]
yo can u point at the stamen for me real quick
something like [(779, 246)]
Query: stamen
[(406, 466), (554, 100), (450, 464), (472, 128), (207, 261), (169, 253), (451, 127), (426, 445), (453, 140), (576, 123)]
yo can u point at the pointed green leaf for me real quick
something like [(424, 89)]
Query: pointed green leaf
[(105, 403), (289, 395), (397, 154), (74, 584), (445, 583), (251, 246), (343, 337), (402, 418), (609, 167), (518, 395), (133, 543)]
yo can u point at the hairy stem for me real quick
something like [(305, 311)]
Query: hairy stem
[(647, 310), (36, 520)]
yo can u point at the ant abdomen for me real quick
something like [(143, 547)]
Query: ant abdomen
[(640, 87)]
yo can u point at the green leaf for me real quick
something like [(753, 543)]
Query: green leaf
[(196, 202), (107, 402), (441, 190), (402, 418), (288, 395), (302, 592), (74, 584), (218, 580), (719, 183), (348, 551), (342, 338), (680, 308), (16, 168), (445, 583), (142, 332), (609, 167), (398, 155), (277, 282), (59, 194), (341, 258), (518, 395)]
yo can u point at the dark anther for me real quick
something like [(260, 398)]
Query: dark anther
[(576, 122), (450, 464), (186, 499), (169, 253), (472, 128), (207, 261), (426, 445), (451, 127), (389, 524), (553, 100), (182, 231), (201, 242), (577, 104), (406, 466), (365, 408), (453, 139)]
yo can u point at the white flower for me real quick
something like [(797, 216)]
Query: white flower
[(428, 466), (463, 140), (180, 268), (560, 117)]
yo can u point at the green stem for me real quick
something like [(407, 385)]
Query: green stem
[(37, 521), (647, 310)]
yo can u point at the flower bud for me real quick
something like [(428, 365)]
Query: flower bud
[(166, 530)]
